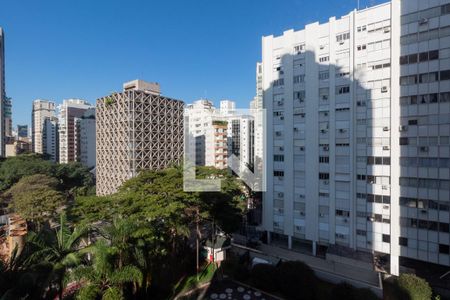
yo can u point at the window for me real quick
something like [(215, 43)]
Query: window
[(361, 47), (342, 89), (361, 232), (445, 75), (403, 141), (299, 78), (433, 55), (402, 241), (404, 60), (412, 58), (299, 48), (324, 75), (444, 249), (423, 56), (324, 58), (342, 37), (278, 82), (324, 176), (324, 159), (342, 213), (278, 157), (386, 238), (278, 173)]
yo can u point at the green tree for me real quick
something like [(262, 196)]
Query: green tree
[(412, 287), (36, 199), (111, 273), (13, 169), (60, 247)]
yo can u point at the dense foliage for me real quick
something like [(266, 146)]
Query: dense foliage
[(411, 287), (136, 243)]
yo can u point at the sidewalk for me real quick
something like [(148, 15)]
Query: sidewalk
[(334, 272)]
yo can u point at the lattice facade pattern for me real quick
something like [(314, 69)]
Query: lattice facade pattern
[(136, 131)]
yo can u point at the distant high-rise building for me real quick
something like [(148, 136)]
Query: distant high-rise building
[(50, 138), (2, 92), (7, 112), (69, 113), (208, 133), (22, 131), (137, 129), (42, 109), (87, 137)]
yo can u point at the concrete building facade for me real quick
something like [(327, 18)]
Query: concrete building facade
[(137, 129), (42, 109), (87, 138), (50, 138), (69, 113), (349, 164)]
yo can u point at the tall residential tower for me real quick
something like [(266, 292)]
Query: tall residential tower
[(137, 129), (358, 133)]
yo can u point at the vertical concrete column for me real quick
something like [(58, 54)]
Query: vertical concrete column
[(289, 242), (314, 248), (269, 238)]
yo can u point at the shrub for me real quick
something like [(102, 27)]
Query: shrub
[(297, 281), (411, 287), (263, 276)]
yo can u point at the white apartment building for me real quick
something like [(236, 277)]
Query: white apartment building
[(42, 109), (86, 127), (208, 132), (69, 113), (339, 171), (220, 133)]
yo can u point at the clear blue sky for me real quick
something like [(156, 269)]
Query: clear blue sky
[(58, 49)]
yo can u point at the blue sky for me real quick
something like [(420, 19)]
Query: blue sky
[(59, 49)]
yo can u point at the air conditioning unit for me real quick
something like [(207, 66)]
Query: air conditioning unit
[(323, 130), (341, 43), (302, 213), (321, 47), (369, 243), (281, 118), (345, 220), (424, 211), (280, 177), (385, 128), (384, 187), (280, 102), (302, 148), (301, 196), (326, 182), (342, 130), (325, 148), (278, 133), (325, 97), (281, 194), (298, 228), (387, 29), (385, 206), (403, 128), (424, 149), (423, 21), (385, 147), (384, 89), (295, 129), (281, 148), (302, 115), (321, 215)]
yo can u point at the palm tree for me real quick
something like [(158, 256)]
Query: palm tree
[(60, 247), (110, 270)]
